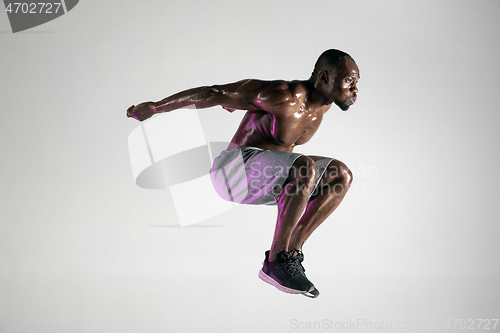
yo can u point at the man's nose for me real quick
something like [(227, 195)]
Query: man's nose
[(354, 88)]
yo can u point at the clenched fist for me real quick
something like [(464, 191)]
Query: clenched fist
[(142, 111)]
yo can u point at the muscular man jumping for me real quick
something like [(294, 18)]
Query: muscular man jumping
[(259, 166)]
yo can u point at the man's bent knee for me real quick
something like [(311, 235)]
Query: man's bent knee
[(345, 174), (337, 173)]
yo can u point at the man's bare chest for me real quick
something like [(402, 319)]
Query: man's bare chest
[(295, 128)]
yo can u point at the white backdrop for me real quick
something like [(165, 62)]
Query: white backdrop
[(415, 243)]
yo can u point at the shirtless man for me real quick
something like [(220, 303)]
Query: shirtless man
[(259, 166)]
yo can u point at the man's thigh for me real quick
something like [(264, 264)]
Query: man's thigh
[(250, 175)]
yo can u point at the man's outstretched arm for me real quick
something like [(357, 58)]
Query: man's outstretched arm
[(241, 95)]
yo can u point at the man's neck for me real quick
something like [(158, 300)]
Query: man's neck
[(314, 97)]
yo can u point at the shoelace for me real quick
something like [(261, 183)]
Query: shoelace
[(292, 263), (299, 257)]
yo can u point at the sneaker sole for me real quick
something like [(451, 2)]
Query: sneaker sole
[(266, 278), (312, 293)]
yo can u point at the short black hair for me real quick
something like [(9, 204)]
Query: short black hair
[(329, 61)]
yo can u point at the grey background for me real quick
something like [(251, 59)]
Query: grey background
[(83, 249)]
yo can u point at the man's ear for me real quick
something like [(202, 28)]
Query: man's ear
[(324, 77)]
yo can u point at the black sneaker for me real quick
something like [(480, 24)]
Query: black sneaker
[(286, 273)]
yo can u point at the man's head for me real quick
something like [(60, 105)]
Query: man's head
[(335, 75)]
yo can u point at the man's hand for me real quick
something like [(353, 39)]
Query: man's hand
[(142, 111)]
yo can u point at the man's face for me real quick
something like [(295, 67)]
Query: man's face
[(343, 84)]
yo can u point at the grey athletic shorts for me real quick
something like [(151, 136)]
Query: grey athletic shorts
[(250, 175)]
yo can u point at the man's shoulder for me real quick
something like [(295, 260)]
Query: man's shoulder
[(291, 88), (273, 84), (277, 97), (298, 87), (289, 85)]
